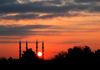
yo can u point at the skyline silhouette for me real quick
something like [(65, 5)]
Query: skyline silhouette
[(20, 53), (36, 49), (74, 55)]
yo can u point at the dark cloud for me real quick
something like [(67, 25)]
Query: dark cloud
[(18, 41), (70, 42), (22, 31), (8, 41), (23, 8), (62, 15), (54, 2), (95, 9), (5, 2), (2, 37), (82, 1), (40, 8), (35, 16), (26, 30), (49, 7), (21, 16)]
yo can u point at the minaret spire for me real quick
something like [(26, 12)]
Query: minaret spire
[(43, 50), (20, 49), (36, 47), (26, 46)]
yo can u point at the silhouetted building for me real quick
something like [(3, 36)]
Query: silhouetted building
[(36, 47), (29, 56), (26, 46), (19, 49), (43, 50), (28, 49)]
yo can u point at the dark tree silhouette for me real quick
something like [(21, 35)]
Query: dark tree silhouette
[(87, 50), (77, 55), (97, 52), (3, 61), (61, 55), (10, 60)]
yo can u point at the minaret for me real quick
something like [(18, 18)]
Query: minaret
[(26, 46), (19, 49), (36, 47), (43, 50)]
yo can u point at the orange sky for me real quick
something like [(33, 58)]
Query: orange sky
[(77, 34), (61, 24)]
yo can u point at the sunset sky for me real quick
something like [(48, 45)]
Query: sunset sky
[(61, 24)]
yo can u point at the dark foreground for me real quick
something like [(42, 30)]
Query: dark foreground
[(75, 56)]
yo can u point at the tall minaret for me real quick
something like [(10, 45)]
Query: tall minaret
[(43, 50), (19, 49), (36, 47), (26, 46)]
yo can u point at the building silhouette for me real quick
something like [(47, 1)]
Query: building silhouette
[(26, 46), (36, 47), (43, 50), (28, 49), (20, 49)]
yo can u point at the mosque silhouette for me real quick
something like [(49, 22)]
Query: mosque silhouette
[(20, 54)]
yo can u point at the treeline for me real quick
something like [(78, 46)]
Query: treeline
[(78, 55)]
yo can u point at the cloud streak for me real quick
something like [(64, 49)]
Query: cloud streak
[(18, 41), (21, 30), (37, 16), (8, 37), (45, 30)]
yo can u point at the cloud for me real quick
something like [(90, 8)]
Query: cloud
[(70, 42), (5, 2), (53, 7), (85, 1), (18, 41), (7, 37), (31, 7), (40, 7), (8, 41), (15, 32), (37, 16), (62, 15), (21, 16), (55, 2), (95, 9), (26, 30), (67, 42)]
